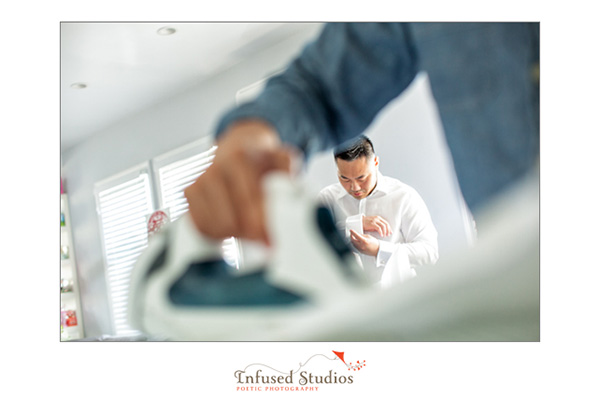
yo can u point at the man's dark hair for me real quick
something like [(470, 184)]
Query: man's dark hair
[(361, 147)]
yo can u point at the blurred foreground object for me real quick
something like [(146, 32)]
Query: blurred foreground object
[(182, 289), (311, 288)]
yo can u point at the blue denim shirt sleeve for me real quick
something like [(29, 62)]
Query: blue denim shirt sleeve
[(321, 100), (482, 77)]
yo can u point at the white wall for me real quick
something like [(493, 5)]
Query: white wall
[(406, 135)]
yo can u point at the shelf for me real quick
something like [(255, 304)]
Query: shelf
[(70, 300), (70, 328), (70, 333)]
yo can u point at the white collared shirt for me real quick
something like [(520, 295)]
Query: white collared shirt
[(414, 238)]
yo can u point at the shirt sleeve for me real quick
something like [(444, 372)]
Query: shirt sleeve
[(419, 248), (420, 236), (386, 249), (321, 100), (398, 268)]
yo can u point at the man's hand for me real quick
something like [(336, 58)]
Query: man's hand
[(377, 224), (227, 200), (366, 244)]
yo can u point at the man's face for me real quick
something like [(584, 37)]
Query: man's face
[(359, 176)]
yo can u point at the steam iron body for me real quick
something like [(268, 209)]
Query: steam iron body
[(182, 289)]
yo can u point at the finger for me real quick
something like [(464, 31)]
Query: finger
[(242, 181), (370, 228), (357, 236), (219, 210), (355, 241), (388, 228), (196, 205), (269, 160), (209, 209), (380, 227), (374, 226), (385, 227), (274, 160)]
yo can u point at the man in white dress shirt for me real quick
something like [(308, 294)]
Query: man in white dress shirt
[(386, 221)]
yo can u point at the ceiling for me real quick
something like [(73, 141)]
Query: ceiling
[(127, 67)]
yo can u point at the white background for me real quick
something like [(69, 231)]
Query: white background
[(563, 364)]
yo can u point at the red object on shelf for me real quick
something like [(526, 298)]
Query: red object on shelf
[(62, 190), (69, 318)]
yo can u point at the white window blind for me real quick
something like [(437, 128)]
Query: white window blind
[(174, 176), (123, 205)]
